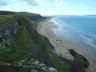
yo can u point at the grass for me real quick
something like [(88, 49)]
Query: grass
[(10, 56), (6, 19), (21, 39)]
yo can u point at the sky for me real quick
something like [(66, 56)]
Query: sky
[(51, 7)]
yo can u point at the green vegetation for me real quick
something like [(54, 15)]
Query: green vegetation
[(10, 56), (6, 13), (26, 14), (55, 59), (17, 13), (27, 43), (5, 19)]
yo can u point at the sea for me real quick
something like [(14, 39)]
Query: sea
[(81, 30)]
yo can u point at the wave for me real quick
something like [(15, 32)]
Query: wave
[(76, 30)]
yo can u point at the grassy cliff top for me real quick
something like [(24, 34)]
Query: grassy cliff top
[(27, 43)]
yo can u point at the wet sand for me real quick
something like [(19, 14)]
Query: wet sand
[(62, 46)]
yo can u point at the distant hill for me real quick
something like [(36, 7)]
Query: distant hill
[(17, 13), (6, 13)]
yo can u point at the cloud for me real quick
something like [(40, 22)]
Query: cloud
[(3, 3), (56, 1), (34, 2), (30, 2), (60, 3), (65, 3)]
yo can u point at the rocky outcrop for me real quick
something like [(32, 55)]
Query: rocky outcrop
[(7, 32), (34, 66), (41, 67), (79, 62)]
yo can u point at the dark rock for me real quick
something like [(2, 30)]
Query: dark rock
[(79, 58), (77, 67), (72, 52)]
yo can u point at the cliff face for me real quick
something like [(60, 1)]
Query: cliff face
[(7, 30), (20, 43), (22, 48)]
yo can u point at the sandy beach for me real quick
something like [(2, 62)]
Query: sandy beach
[(62, 46)]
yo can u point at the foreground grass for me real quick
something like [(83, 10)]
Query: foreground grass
[(10, 56)]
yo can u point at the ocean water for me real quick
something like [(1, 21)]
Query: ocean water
[(79, 29)]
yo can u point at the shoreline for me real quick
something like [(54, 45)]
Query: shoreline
[(61, 46)]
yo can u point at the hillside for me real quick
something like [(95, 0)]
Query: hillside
[(17, 13), (23, 49)]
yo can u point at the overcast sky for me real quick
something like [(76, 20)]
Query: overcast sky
[(51, 7)]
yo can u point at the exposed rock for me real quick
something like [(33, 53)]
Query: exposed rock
[(37, 67), (42, 67), (79, 58), (7, 32), (21, 62), (34, 70), (51, 69), (79, 63), (72, 52)]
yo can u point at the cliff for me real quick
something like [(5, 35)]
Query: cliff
[(23, 49)]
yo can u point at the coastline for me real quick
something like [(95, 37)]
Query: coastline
[(61, 46)]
